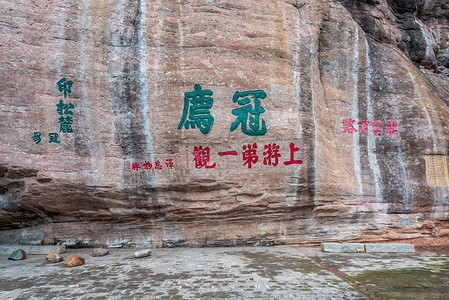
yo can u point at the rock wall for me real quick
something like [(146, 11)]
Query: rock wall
[(287, 77)]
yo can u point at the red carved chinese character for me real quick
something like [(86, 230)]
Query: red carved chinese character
[(136, 166), (227, 153), (202, 157), (364, 127), (249, 155), (147, 165), (377, 127), (391, 128), (292, 160), (157, 165), (347, 125), (169, 163), (271, 153)]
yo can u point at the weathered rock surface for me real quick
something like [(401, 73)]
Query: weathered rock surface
[(319, 63), (32, 250), (53, 257), (99, 252), (74, 260)]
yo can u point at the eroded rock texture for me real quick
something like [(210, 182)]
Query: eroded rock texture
[(319, 62)]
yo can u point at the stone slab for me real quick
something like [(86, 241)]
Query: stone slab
[(390, 247), (282, 273), (342, 247), (31, 250)]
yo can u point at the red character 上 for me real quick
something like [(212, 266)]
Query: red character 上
[(292, 160)]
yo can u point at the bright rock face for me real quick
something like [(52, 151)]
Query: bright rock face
[(321, 64)]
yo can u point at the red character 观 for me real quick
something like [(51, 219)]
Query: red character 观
[(202, 157)]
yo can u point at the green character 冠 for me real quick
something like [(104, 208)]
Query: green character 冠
[(197, 110), (53, 138), (247, 116)]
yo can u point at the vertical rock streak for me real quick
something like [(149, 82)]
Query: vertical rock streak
[(129, 82), (355, 111), (297, 71), (143, 79), (372, 156), (404, 187), (84, 53), (61, 25), (424, 108), (181, 43), (313, 176), (297, 84), (116, 86), (428, 37)]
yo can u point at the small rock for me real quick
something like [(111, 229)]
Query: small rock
[(18, 255), (436, 232), (74, 260), (100, 252), (53, 257), (142, 253), (429, 225)]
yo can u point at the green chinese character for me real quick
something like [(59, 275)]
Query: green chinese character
[(197, 110), (65, 86), (65, 124), (53, 138), (64, 108), (37, 137), (247, 115)]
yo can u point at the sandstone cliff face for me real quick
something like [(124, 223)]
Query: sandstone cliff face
[(320, 63)]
